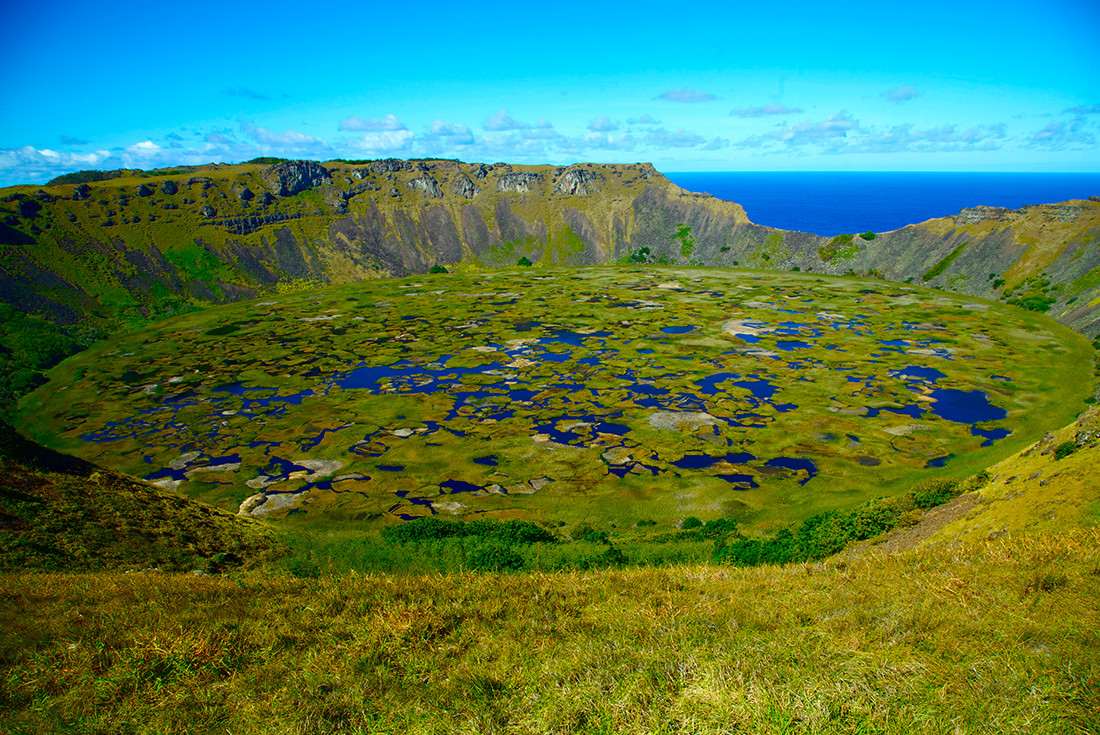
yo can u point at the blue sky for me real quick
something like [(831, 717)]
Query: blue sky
[(939, 86)]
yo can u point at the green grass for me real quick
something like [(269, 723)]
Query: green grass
[(996, 638), (944, 264), (293, 346)]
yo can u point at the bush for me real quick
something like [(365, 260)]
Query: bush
[(1065, 449), (524, 261), (494, 557), (437, 268), (934, 492), (868, 235), (691, 522)]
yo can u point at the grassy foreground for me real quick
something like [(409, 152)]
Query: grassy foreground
[(999, 637)]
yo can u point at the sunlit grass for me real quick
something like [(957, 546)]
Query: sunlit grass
[(1000, 637)]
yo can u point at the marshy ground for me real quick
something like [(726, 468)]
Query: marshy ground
[(606, 395)]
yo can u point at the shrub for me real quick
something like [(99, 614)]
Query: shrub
[(1065, 449), (934, 492), (868, 235), (691, 522), (437, 268), (494, 557)]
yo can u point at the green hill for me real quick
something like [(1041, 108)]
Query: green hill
[(62, 513)]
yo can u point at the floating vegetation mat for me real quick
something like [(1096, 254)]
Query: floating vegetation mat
[(605, 393)]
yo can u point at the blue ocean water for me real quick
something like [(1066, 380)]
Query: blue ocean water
[(829, 203)]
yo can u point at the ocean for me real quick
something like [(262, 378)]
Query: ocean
[(831, 203)]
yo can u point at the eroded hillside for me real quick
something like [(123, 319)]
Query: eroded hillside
[(149, 244)]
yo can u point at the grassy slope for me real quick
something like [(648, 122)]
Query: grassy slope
[(59, 512), (1035, 491), (1000, 639)]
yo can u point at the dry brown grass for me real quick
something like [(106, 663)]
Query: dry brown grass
[(1000, 637)]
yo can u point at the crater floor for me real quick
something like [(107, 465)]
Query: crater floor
[(612, 394)]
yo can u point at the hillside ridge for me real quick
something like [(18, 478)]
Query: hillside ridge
[(142, 245)]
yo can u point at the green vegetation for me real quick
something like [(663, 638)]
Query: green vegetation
[(828, 533), (869, 235), (1065, 449), (524, 261), (1035, 294), (28, 347), (1002, 632), (86, 177), (258, 383), (687, 242), (944, 263), (841, 247), (437, 268), (63, 514)]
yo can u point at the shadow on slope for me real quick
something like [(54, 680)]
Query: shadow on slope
[(62, 513)]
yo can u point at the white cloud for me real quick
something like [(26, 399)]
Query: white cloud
[(287, 142), (661, 138), (1083, 110), (370, 124), (643, 120), (502, 121), (686, 95), (602, 124), (900, 94), (385, 143), (456, 134), (1057, 136), (773, 108), (822, 133)]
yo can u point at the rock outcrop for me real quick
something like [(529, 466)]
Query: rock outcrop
[(574, 181), (463, 185), (289, 178), (520, 183), (428, 185)]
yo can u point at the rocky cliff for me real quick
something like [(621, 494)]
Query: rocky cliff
[(142, 245)]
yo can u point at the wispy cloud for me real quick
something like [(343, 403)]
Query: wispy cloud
[(70, 140), (602, 124), (900, 94), (502, 122), (174, 136), (686, 95), (804, 133), (643, 120), (661, 138), (287, 141), (1058, 136), (1081, 110), (245, 92), (455, 133), (770, 109), (370, 124)]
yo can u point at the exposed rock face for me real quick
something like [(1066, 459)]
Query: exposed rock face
[(573, 181), (45, 196), (973, 215), (287, 179), (428, 185), (520, 183), (464, 186), (169, 187), (246, 225), (480, 171), (82, 192), (204, 181), (389, 166), (246, 195), (209, 211), (145, 190)]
